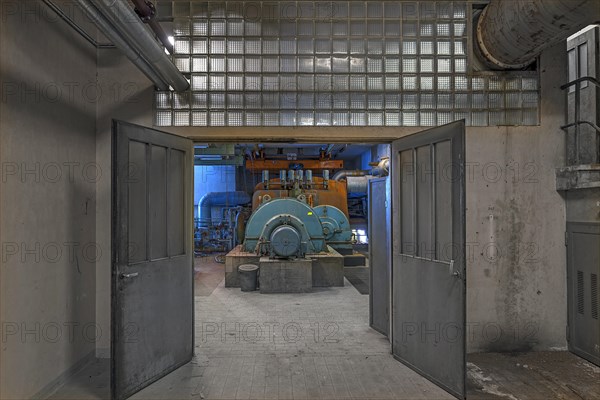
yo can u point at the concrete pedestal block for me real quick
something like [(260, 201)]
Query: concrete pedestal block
[(233, 260), (285, 276), (328, 269)]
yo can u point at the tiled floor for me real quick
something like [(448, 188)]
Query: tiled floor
[(280, 346), (319, 346)]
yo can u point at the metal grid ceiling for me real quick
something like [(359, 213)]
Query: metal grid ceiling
[(369, 63)]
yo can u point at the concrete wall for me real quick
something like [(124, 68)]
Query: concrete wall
[(515, 227), (516, 294), (47, 199)]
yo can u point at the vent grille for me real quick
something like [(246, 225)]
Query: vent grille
[(594, 284), (580, 293)]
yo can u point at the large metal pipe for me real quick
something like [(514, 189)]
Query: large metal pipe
[(345, 173), (511, 34), (109, 31), (122, 16), (219, 199), (147, 13)]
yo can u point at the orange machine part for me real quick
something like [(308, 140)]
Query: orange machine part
[(335, 195), (276, 165)]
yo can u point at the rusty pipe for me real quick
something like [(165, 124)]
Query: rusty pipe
[(147, 13), (511, 34)]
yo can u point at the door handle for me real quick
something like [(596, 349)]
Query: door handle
[(457, 274), (131, 275)]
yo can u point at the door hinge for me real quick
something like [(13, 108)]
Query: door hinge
[(566, 238)]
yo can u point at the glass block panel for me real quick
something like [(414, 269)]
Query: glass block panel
[(235, 118), (253, 46), (163, 118), (340, 83), (392, 82), (340, 119), (235, 46), (253, 64), (182, 46), (358, 101), (270, 46), (306, 82), (270, 83), (181, 118), (217, 100), (270, 64), (375, 101), (200, 64), (341, 101), (323, 29), (199, 118), (199, 82), (375, 82), (427, 118), (288, 64), (235, 82), (253, 82), (322, 46), (358, 28), (358, 64), (409, 65), (323, 119), (217, 64), (323, 83), (410, 118), (288, 82), (496, 100), (322, 64), (253, 118), (235, 100), (392, 46), (182, 63), (358, 119), (199, 100), (392, 28), (358, 58), (358, 82), (426, 65), (270, 118), (218, 46), (305, 64), (409, 47), (339, 28)]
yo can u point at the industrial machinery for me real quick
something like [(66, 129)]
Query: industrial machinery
[(336, 228), (284, 228)]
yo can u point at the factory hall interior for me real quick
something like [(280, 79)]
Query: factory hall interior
[(376, 199)]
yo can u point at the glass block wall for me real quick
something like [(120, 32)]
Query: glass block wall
[(341, 63)]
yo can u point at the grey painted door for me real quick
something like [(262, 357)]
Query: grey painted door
[(152, 271), (583, 270), (428, 260), (379, 255)]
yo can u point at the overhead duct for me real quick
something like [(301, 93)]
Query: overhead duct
[(219, 199), (511, 34), (117, 20)]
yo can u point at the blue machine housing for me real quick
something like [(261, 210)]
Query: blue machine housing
[(285, 227), (336, 227)]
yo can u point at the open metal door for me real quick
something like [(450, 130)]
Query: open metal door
[(152, 271), (379, 255), (428, 260)]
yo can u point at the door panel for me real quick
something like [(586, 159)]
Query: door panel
[(152, 270), (428, 260), (583, 270), (379, 255)]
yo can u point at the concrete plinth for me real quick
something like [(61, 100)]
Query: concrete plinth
[(285, 276), (233, 260), (327, 269)]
